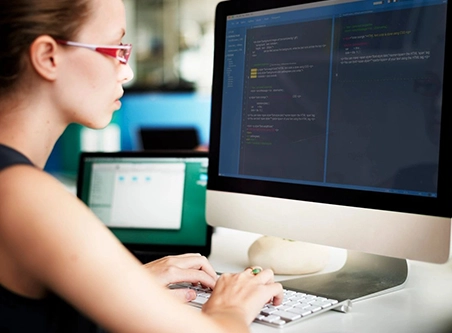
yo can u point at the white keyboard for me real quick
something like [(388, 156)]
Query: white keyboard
[(295, 307)]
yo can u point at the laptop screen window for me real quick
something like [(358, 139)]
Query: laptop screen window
[(138, 195)]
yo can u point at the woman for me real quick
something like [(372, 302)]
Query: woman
[(55, 255)]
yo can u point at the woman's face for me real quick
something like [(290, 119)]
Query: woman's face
[(92, 82)]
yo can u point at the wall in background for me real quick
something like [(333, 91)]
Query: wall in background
[(172, 43), (162, 110)]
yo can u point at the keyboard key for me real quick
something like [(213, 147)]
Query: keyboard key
[(286, 315), (200, 300)]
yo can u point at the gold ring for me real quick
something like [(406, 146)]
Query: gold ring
[(255, 269)]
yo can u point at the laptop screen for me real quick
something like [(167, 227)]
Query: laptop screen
[(152, 201)]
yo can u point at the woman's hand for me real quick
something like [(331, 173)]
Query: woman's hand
[(244, 293), (191, 267)]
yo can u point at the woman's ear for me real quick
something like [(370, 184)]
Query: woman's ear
[(43, 54)]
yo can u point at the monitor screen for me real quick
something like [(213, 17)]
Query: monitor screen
[(328, 124)]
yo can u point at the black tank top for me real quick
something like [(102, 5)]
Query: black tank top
[(48, 315)]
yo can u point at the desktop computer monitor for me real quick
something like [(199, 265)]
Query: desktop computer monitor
[(329, 125)]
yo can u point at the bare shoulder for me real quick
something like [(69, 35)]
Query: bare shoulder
[(45, 227), (26, 195), (29, 195), (34, 206), (25, 192), (26, 179)]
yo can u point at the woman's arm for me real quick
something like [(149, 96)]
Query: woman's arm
[(61, 244)]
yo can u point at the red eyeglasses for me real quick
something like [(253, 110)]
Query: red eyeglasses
[(120, 52)]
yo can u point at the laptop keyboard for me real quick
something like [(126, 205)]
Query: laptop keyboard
[(296, 306)]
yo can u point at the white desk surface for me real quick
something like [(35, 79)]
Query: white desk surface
[(424, 305)]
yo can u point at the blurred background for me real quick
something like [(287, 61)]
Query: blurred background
[(169, 96)]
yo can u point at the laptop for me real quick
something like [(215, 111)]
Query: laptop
[(152, 201)]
